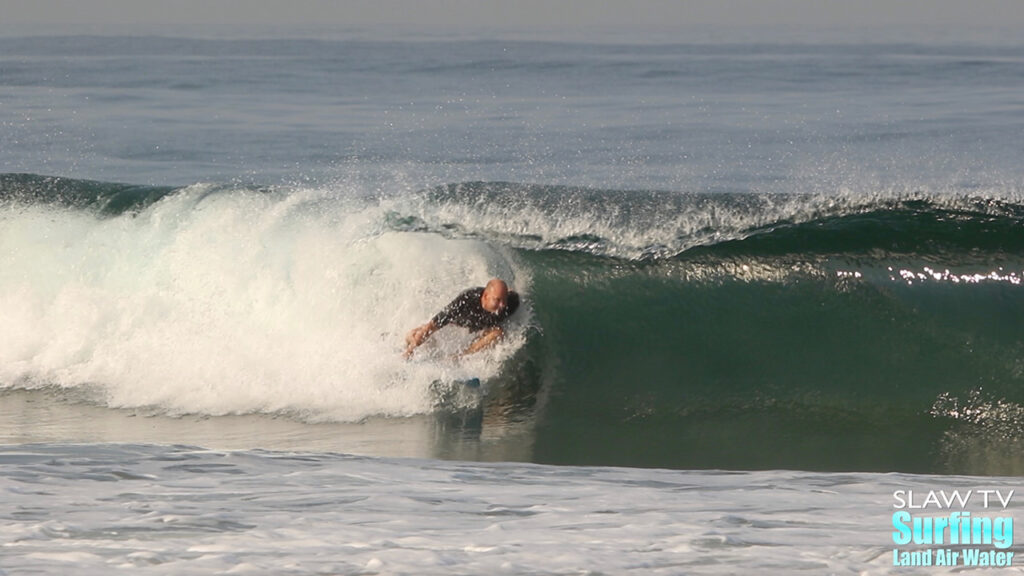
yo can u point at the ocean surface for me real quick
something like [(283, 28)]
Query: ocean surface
[(766, 286)]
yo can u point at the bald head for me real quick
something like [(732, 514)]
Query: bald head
[(495, 296), (496, 284)]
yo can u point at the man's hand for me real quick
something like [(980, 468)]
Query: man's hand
[(417, 336)]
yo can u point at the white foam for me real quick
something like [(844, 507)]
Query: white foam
[(221, 302), (173, 510)]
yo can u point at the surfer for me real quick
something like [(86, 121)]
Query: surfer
[(479, 309)]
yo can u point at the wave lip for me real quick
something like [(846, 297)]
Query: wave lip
[(653, 225), (105, 198)]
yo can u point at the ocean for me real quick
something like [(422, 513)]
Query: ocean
[(772, 297)]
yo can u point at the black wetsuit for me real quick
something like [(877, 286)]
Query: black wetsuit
[(467, 312)]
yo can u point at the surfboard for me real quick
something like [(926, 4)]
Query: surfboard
[(457, 394), (471, 383)]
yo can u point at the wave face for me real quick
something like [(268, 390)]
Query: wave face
[(662, 329)]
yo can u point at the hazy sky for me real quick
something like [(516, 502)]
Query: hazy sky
[(545, 16)]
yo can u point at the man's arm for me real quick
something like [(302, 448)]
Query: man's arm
[(485, 340), (454, 308), (418, 336)]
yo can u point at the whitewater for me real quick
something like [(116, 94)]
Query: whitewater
[(206, 288)]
